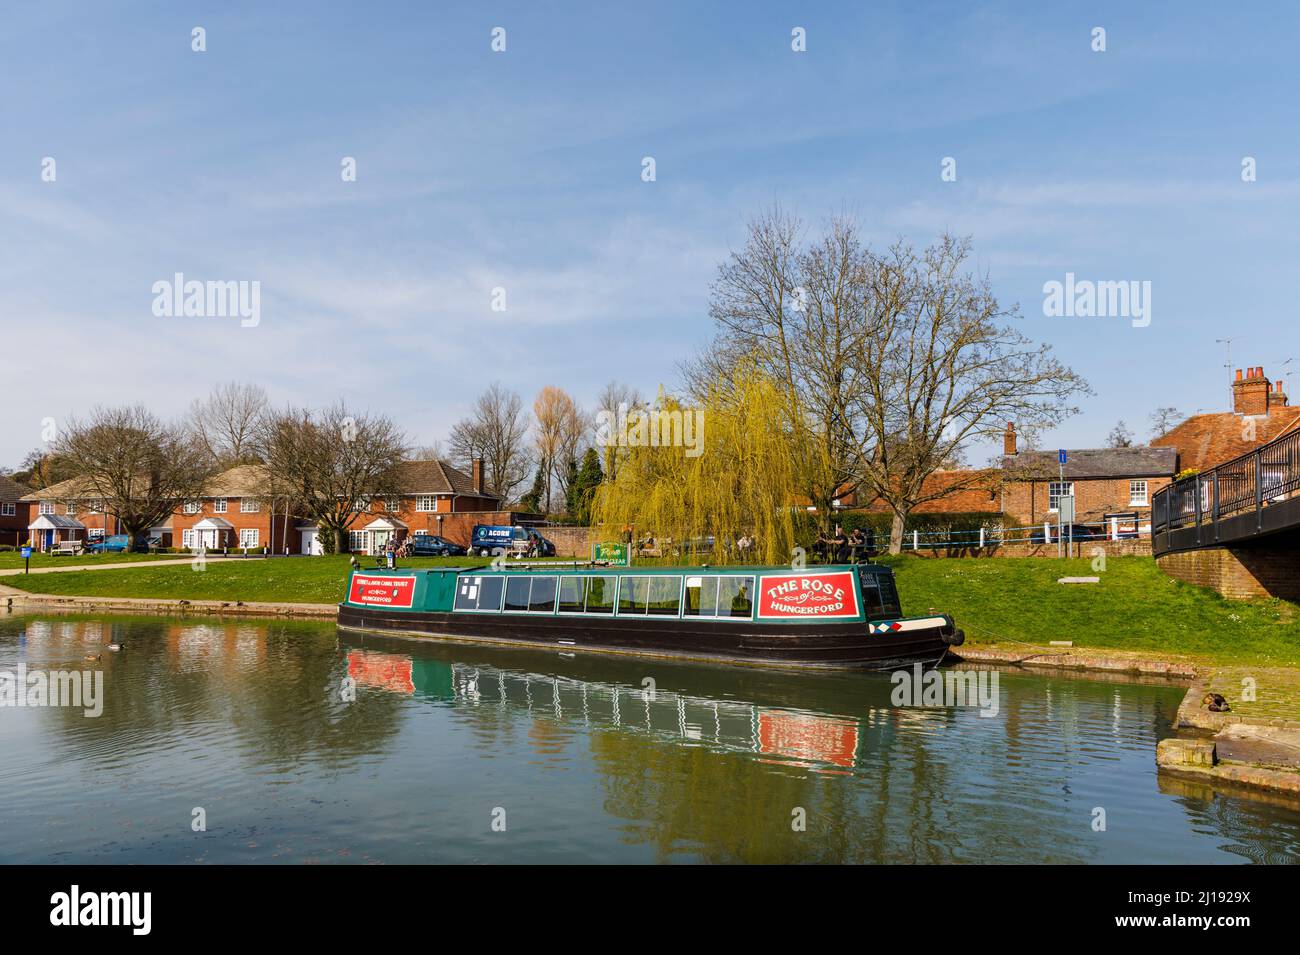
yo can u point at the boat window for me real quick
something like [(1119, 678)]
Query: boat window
[(571, 594), (489, 593), (467, 593), (542, 597), (701, 597), (478, 593), (600, 594), (633, 595), (517, 593), (870, 587), (889, 595), (665, 595), (735, 596)]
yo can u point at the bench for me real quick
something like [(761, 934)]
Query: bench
[(68, 548)]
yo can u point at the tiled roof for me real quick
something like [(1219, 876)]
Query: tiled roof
[(1204, 440), (435, 477), (1093, 463), (11, 492), (72, 489)]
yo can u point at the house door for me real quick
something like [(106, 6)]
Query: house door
[(379, 540)]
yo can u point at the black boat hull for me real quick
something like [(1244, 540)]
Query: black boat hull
[(827, 646)]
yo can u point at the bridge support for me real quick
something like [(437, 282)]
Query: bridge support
[(1267, 568)]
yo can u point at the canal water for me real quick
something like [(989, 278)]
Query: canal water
[(465, 754)]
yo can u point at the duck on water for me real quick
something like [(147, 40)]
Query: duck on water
[(834, 616)]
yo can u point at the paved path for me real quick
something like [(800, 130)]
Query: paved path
[(119, 565)]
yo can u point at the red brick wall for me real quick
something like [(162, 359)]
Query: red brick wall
[(13, 530), (1026, 502), (1271, 570)]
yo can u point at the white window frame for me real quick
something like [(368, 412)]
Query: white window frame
[(426, 503), (94, 506), (1133, 499), (8, 509), (47, 507), (359, 542), (193, 507), (70, 508), (187, 538), (1058, 494), (219, 505), (248, 538), (393, 505), (249, 505)]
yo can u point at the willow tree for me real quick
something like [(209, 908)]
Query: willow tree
[(730, 467)]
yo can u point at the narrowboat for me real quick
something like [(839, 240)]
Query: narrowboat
[(835, 616)]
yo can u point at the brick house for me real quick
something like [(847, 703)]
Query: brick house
[(1102, 480), (429, 491), (14, 512), (67, 511), (1260, 412), (236, 513)]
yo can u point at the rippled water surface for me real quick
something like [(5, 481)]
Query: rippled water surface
[(247, 722)]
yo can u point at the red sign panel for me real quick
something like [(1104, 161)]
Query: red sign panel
[(820, 595), (382, 591)]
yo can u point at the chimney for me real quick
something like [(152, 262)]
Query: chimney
[(1278, 397), (1250, 394), (1009, 439), (476, 475)]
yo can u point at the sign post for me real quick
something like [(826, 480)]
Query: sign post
[(1060, 539), (27, 560)]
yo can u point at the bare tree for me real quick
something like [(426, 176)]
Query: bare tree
[(226, 422), (1164, 419), (941, 367), (615, 399), (796, 310), (560, 428), (331, 464), (139, 467), (1120, 436), (495, 430)]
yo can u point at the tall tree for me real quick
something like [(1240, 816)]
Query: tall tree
[(582, 489), (560, 427), (615, 400), (141, 468), (495, 430), (940, 367), (1120, 436), (330, 464), (226, 423)]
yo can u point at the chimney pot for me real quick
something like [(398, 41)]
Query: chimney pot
[(1239, 374)]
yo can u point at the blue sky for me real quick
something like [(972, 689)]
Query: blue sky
[(522, 170)]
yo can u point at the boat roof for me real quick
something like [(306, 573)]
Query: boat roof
[(563, 567)]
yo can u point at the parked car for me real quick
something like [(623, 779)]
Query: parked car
[(431, 545), (118, 543), (489, 539)]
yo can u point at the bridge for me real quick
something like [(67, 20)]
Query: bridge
[(1235, 527)]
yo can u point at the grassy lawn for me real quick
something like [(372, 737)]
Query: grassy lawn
[(13, 560), (1134, 607), (295, 579)]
